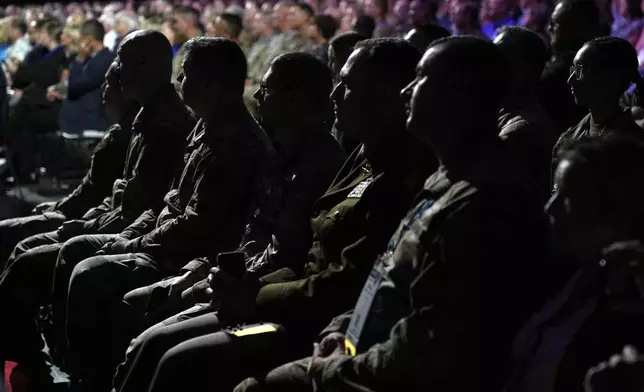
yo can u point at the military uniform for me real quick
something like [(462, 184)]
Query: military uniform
[(447, 296), (204, 215), (351, 224), (269, 49), (531, 135), (622, 123), (154, 152), (106, 166)]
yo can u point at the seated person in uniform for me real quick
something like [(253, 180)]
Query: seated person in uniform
[(525, 125), (596, 218), (438, 300), (159, 132), (106, 166), (351, 224), (225, 160), (603, 69)]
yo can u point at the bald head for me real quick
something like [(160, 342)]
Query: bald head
[(145, 57)]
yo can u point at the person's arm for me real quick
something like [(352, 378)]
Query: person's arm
[(141, 226), (106, 166), (83, 79), (209, 221), (154, 171)]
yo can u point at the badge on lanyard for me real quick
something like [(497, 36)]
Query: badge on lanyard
[(368, 294), (361, 311), (357, 192)]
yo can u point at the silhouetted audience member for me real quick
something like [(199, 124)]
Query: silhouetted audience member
[(205, 213), (573, 23), (524, 124), (153, 159), (340, 48), (321, 31), (106, 166), (596, 220), (421, 37), (352, 224), (430, 298), (603, 69), (365, 25)]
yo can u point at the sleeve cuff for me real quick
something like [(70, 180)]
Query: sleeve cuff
[(197, 266)]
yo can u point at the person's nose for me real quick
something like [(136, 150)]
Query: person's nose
[(337, 93), (258, 95), (406, 92)]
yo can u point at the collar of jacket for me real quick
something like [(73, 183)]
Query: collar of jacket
[(160, 106)]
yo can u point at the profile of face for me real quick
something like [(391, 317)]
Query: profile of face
[(370, 8), (131, 69), (359, 99), (559, 29), (193, 88), (588, 86), (274, 107), (112, 95), (297, 18), (577, 225)]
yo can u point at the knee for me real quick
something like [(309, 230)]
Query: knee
[(72, 251), (248, 385), (84, 276)]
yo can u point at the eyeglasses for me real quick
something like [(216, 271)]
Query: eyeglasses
[(577, 70)]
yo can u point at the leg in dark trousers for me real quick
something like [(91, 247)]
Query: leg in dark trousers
[(72, 252), (25, 285), (291, 377), (15, 230), (99, 323), (49, 238), (220, 360)]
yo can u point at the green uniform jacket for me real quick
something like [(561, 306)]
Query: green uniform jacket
[(351, 225)]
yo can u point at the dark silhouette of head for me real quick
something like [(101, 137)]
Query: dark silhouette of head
[(424, 35), (214, 75), (326, 26), (365, 25), (603, 69), (340, 49), (293, 98), (573, 23), (459, 88), (116, 105), (600, 185), (367, 98), (526, 53), (145, 59)]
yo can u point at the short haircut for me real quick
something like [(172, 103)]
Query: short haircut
[(305, 73), (475, 69), (218, 59), (365, 25), (18, 24), (327, 25), (527, 47), (129, 18), (54, 29), (583, 13), (93, 28), (307, 9), (190, 12), (617, 56), (235, 24), (433, 32), (344, 43), (392, 59), (153, 46)]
